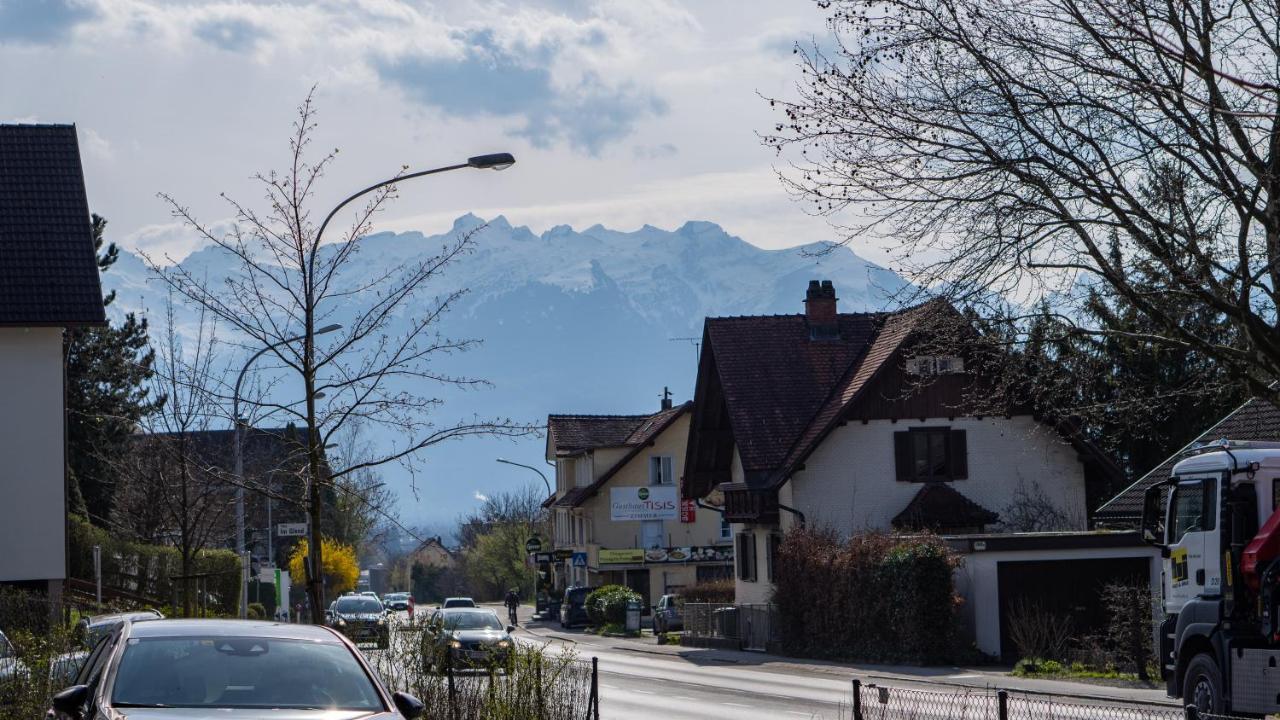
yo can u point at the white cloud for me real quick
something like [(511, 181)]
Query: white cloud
[(481, 496), (94, 144)]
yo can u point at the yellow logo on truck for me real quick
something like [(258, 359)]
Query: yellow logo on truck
[(1178, 565)]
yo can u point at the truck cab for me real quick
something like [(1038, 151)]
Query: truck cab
[(1214, 520)]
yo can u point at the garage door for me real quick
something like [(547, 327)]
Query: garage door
[(1067, 587)]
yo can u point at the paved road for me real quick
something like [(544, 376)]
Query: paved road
[(636, 682)]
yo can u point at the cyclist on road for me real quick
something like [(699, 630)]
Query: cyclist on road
[(512, 602)]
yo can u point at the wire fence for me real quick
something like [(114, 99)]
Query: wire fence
[(523, 683), (746, 626), (878, 702)]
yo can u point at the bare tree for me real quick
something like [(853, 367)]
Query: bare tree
[(171, 489), (288, 283), (364, 507), (1014, 149)]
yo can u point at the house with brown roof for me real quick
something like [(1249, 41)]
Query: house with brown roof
[(852, 421), (48, 282), (617, 517)]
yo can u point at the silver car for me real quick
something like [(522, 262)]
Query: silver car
[(234, 669)]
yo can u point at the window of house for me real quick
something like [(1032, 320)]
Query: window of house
[(934, 365), (775, 542), (651, 535), (745, 554), (726, 530), (660, 471), (931, 454)]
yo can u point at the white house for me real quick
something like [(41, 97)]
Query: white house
[(849, 421), (48, 282)]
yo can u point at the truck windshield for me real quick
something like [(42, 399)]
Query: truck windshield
[(1192, 508)]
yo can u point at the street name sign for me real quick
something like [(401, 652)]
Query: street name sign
[(291, 530)]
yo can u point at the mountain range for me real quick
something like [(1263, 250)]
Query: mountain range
[(572, 321)]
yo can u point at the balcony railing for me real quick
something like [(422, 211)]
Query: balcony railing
[(747, 505)]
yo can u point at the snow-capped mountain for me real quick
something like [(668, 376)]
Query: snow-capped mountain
[(586, 321)]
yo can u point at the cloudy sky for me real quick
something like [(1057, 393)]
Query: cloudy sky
[(622, 112)]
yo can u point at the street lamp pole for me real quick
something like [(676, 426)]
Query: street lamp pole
[(315, 586), (238, 452), (540, 474)]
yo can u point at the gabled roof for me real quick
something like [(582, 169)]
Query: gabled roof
[(1257, 419), (640, 437), (939, 507), (775, 378), (48, 268), (894, 332), (572, 434)]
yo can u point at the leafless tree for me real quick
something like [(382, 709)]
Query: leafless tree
[(289, 282), (170, 487), (1014, 149), (364, 507)]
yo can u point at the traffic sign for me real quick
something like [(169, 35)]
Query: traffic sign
[(579, 559), (543, 557), (291, 530), (533, 545), (563, 553)]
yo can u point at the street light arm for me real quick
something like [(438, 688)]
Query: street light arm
[(382, 184), (530, 467)]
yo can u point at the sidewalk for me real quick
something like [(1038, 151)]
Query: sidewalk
[(934, 678)]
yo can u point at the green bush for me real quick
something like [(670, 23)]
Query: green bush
[(257, 611), (870, 598), (608, 604)]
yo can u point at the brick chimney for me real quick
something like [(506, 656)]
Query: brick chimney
[(820, 311)]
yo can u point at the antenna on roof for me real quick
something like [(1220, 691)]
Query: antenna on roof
[(697, 348)]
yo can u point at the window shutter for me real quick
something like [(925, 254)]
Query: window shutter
[(902, 456), (959, 455)]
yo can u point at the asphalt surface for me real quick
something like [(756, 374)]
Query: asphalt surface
[(639, 679)]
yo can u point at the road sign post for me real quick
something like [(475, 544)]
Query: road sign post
[(533, 545)]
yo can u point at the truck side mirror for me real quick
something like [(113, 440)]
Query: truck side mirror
[(1153, 515)]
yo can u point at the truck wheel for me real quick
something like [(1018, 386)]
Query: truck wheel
[(1202, 685)]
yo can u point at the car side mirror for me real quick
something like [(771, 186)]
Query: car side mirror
[(70, 702), (408, 705)]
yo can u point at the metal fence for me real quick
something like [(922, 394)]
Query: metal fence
[(749, 627), (878, 702)]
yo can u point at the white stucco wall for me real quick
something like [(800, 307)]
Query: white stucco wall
[(977, 581), (32, 475), (849, 483)]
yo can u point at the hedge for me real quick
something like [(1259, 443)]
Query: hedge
[(148, 570), (869, 598), (608, 604)]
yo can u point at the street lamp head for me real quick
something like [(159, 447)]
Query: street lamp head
[(493, 161), (328, 329)]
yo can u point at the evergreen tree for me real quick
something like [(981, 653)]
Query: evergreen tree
[(106, 395)]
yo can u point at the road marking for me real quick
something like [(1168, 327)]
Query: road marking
[(735, 705), (644, 692), (608, 687), (962, 677), (801, 714)]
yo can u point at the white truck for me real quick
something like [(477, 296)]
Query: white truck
[(1217, 525)]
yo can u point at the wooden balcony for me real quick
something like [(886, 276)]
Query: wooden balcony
[(746, 505)]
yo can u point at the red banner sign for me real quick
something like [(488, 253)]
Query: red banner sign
[(688, 511)]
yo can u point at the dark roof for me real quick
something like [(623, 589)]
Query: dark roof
[(264, 450), (48, 268), (938, 507), (1257, 419), (571, 434), (775, 378), (642, 437)]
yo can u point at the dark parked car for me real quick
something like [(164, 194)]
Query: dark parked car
[(573, 609), (668, 614), (470, 636), (236, 669), (361, 618)]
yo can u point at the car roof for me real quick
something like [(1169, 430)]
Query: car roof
[(231, 628), (121, 617), (466, 610)]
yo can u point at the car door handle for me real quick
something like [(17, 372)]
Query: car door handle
[(1200, 576)]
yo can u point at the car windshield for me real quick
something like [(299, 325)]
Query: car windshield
[(234, 672), (358, 605), (459, 602), (472, 621)]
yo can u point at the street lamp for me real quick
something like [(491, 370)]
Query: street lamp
[(544, 477), (238, 450), (315, 587)]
